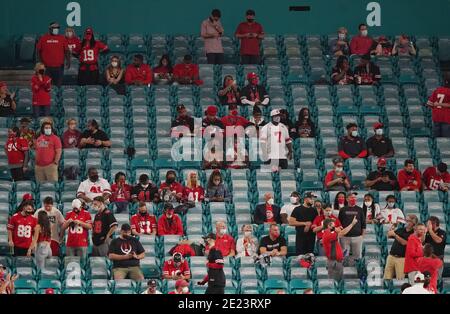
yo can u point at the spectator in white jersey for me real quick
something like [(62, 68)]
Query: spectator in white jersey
[(93, 186)]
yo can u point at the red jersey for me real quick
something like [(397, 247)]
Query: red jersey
[(414, 250), (407, 180), (22, 228), (41, 90), (431, 265), (360, 45), (74, 44), (173, 187), (185, 250), (15, 150), (439, 114), (183, 70), (249, 46), (52, 49), (196, 194), (317, 222), (77, 235), (225, 244), (169, 268), (89, 56), (328, 237), (432, 180), (166, 227), (232, 120), (120, 194), (142, 74), (143, 224)]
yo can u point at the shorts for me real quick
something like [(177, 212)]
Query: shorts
[(133, 273)]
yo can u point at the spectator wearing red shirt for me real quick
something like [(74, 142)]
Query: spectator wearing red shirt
[(181, 287), (52, 49), (73, 41), (41, 86), (439, 102), (138, 73), (318, 227), (88, 72), (120, 192), (431, 263), (250, 33), (336, 179), (72, 136), (170, 190), (79, 222), (176, 268), (267, 213), (17, 152), (193, 192), (143, 222), (169, 223), (414, 250), (21, 229), (409, 179), (186, 73), (224, 242), (163, 73), (436, 178), (361, 44), (332, 248), (48, 154)]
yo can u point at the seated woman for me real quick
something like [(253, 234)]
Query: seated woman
[(304, 126), (229, 95), (216, 190), (71, 137), (383, 47), (193, 191), (163, 73), (342, 74), (114, 75), (403, 47), (93, 137)]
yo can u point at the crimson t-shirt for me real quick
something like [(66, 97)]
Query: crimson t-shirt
[(170, 269), (249, 46), (77, 236), (52, 49), (143, 224), (225, 244), (183, 70), (22, 228), (317, 222), (441, 95), (431, 265), (432, 180), (15, 150), (46, 147), (89, 55), (327, 238)]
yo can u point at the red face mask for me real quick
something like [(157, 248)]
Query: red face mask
[(234, 112), (352, 202), (341, 201), (254, 81), (275, 235)]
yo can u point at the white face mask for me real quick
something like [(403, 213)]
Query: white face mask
[(327, 213), (391, 204), (114, 64), (379, 132), (339, 169), (294, 199), (341, 205), (276, 119), (341, 36), (368, 204), (55, 31), (354, 133), (223, 231), (247, 234), (270, 201), (48, 132), (364, 33), (185, 289)]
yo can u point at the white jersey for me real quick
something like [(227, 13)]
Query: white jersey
[(288, 209), (377, 213), (56, 219), (392, 216), (416, 289), (94, 189), (274, 139), (146, 292)]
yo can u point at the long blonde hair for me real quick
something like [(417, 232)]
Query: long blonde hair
[(38, 66), (189, 182)]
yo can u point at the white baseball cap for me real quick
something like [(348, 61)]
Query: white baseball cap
[(76, 203), (275, 112)]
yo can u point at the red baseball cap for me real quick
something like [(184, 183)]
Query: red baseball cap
[(27, 197), (251, 76), (49, 291), (381, 162), (211, 110), (378, 125), (181, 283)]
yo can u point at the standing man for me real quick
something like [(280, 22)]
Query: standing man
[(395, 262), (79, 222), (250, 33), (439, 102), (211, 32), (21, 229), (48, 154), (437, 238), (302, 218), (216, 277), (18, 154), (353, 240), (52, 49), (56, 223), (105, 225), (414, 250)]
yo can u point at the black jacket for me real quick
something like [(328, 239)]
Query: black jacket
[(260, 214), (346, 215)]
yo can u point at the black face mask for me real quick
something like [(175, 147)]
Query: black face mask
[(381, 169), (332, 229), (143, 214), (126, 236), (41, 72), (170, 180), (137, 65), (250, 20), (93, 178)]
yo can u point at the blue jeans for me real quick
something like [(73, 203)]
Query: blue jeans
[(441, 129)]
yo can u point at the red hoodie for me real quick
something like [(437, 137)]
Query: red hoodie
[(41, 90), (143, 74), (414, 250), (431, 265), (406, 180), (166, 228)]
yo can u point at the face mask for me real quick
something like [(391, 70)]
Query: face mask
[(352, 202), (254, 82), (137, 65), (145, 185), (28, 213), (368, 204), (354, 133), (247, 234), (93, 178), (41, 71), (381, 169), (341, 202), (114, 64), (55, 31), (88, 37), (170, 180), (364, 33), (327, 213), (306, 117), (275, 235), (341, 36), (294, 200), (276, 119), (270, 201), (339, 169), (234, 112), (223, 231), (332, 229), (76, 210), (391, 204), (72, 127), (126, 236), (169, 216), (250, 20), (48, 132), (379, 132), (142, 213), (185, 290)]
